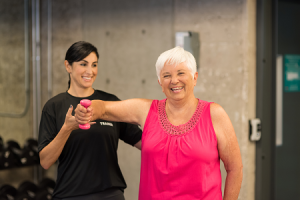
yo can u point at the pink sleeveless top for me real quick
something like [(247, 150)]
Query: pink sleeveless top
[(179, 162)]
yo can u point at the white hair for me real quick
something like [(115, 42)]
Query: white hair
[(174, 57)]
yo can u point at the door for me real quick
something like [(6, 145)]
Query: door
[(287, 150)]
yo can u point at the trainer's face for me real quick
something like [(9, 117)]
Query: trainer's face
[(84, 72)]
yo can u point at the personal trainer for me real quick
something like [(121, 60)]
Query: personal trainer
[(87, 159)]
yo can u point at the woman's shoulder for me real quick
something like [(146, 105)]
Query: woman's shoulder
[(101, 95), (54, 101), (218, 113), (202, 101), (214, 109), (57, 98)]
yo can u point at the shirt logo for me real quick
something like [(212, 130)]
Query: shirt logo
[(106, 124)]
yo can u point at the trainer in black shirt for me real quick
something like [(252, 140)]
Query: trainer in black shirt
[(88, 164)]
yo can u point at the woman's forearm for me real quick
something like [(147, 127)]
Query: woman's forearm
[(50, 153), (132, 111), (233, 184), (99, 110)]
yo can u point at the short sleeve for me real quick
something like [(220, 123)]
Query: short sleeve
[(130, 133), (47, 130)]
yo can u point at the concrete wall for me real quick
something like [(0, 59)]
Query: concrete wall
[(130, 35), (12, 87)]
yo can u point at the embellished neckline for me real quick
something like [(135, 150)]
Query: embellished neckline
[(181, 129)]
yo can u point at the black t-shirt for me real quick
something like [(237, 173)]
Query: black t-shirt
[(88, 162)]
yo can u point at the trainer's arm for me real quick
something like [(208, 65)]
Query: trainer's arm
[(133, 111), (50, 153), (229, 151)]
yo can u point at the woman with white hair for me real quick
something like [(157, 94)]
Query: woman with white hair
[(183, 138)]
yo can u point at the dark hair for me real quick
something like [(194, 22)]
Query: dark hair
[(78, 51)]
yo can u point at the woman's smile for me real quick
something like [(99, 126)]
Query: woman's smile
[(177, 89), (87, 78)]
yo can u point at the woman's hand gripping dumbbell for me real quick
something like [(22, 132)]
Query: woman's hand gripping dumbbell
[(85, 103), (84, 117)]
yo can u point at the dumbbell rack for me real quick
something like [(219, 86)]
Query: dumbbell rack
[(27, 190), (12, 155)]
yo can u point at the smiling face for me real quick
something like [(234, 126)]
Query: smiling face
[(177, 82), (84, 72)]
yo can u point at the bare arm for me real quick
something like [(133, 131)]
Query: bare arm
[(50, 153), (229, 151), (138, 145), (133, 111)]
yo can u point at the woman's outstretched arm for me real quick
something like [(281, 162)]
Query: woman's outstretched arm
[(229, 151), (133, 111)]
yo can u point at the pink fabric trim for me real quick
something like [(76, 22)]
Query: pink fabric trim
[(183, 128)]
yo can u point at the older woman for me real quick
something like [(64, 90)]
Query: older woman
[(183, 139)]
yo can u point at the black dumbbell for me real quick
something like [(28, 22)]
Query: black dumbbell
[(47, 184), (33, 191), (28, 187), (29, 155), (3, 198), (43, 195), (23, 196), (46, 187), (13, 156), (8, 192), (1, 150), (10, 155), (1, 144), (15, 148)]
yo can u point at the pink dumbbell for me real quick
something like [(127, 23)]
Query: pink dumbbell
[(86, 103)]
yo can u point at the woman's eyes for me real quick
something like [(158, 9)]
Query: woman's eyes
[(84, 65), (167, 76)]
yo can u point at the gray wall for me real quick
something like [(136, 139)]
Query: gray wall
[(130, 35), (12, 87)]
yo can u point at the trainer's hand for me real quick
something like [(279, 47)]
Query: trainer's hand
[(83, 115), (70, 121)]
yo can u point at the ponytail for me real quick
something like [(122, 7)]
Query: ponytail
[(79, 51)]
